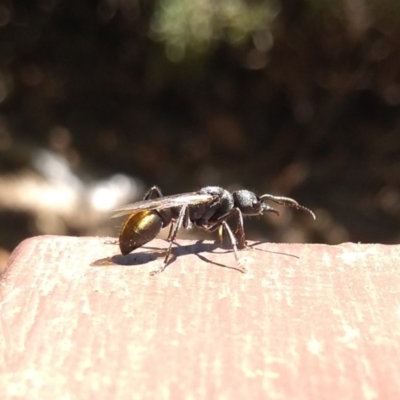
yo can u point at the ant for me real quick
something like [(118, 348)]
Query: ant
[(209, 209)]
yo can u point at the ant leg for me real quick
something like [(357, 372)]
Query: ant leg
[(170, 231), (224, 225), (111, 241), (182, 215), (239, 224), (233, 243), (213, 227), (187, 224), (240, 227), (220, 234), (153, 193)]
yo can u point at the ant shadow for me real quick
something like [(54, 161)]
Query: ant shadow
[(270, 251), (200, 247), (137, 258), (178, 250)]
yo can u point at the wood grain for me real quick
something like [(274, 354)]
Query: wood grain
[(325, 325)]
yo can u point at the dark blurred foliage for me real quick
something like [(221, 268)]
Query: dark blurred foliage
[(298, 98)]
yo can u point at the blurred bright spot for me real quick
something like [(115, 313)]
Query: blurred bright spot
[(21, 193), (314, 346), (111, 193), (195, 24), (103, 198), (263, 40), (55, 168), (54, 195)]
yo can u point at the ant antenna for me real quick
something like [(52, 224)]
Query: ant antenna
[(286, 201)]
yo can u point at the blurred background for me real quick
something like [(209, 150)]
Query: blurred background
[(101, 99)]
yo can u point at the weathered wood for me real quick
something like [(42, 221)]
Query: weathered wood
[(325, 325)]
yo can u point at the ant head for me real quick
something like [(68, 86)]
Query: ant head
[(249, 204)]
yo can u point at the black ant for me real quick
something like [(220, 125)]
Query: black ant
[(209, 209)]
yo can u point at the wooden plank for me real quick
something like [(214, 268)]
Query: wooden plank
[(325, 325)]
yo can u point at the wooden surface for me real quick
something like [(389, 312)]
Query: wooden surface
[(325, 325)]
